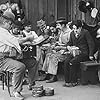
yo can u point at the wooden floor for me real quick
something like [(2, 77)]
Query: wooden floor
[(89, 92)]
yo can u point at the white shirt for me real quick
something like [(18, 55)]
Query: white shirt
[(7, 41), (65, 36)]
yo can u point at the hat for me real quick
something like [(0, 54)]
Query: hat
[(3, 7), (18, 24), (82, 6), (26, 23), (61, 20), (89, 5), (9, 15), (53, 24), (40, 23)]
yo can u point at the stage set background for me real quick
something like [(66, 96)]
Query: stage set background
[(50, 10)]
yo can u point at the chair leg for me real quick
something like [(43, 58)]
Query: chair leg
[(8, 85), (3, 79)]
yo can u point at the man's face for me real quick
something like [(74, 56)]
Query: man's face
[(53, 29), (43, 27), (76, 30), (15, 31), (8, 24), (28, 28), (58, 26)]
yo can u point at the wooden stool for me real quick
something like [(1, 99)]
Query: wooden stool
[(5, 79)]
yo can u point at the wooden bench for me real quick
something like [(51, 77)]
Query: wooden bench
[(89, 72)]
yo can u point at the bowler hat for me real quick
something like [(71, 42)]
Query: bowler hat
[(61, 20), (9, 15), (53, 24), (26, 23)]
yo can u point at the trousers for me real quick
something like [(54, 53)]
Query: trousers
[(18, 69), (72, 67)]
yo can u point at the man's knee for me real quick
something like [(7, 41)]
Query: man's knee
[(21, 66)]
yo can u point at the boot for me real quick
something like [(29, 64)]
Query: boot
[(52, 79), (44, 77)]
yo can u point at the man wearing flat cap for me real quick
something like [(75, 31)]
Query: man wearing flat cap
[(8, 44)]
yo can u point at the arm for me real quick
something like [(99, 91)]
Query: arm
[(24, 39), (70, 43)]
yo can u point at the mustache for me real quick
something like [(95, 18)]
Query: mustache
[(58, 28)]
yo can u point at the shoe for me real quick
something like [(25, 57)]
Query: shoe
[(70, 84), (52, 79), (41, 78), (67, 85), (18, 95), (74, 84), (44, 77), (40, 72), (30, 86)]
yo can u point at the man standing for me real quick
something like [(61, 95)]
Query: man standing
[(81, 40)]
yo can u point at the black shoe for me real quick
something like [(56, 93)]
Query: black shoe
[(70, 84), (67, 85), (40, 72), (52, 79), (41, 78), (30, 86), (44, 77)]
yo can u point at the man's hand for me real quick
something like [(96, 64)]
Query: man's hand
[(57, 48), (91, 57)]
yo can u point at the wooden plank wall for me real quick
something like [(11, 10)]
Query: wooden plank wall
[(50, 10), (37, 9)]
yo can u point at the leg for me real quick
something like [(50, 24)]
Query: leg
[(53, 64), (67, 68), (32, 66), (75, 66), (18, 70)]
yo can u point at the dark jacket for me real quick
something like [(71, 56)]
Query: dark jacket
[(85, 42)]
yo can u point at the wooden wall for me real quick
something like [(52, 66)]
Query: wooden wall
[(76, 14), (37, 9), (50, 10)]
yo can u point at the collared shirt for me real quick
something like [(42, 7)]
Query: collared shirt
[(7, 41), (65, 36)]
